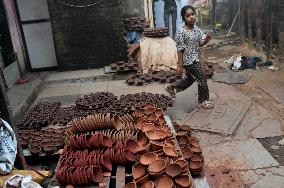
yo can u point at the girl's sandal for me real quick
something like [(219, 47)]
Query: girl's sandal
[(206, 105)]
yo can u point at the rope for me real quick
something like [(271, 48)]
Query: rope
[(79, 6)]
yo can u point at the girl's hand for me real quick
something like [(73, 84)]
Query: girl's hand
[(208, 38), (180, 70)]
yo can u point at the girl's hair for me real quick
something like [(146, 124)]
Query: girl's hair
[(184, 9)]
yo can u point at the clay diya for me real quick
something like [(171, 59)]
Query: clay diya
[(35, 150), (157, 135), (183, 181), (158, 112), (148, 184), (24, 144), (197, 158), (195, 167), (156, 145), (157, 166), (185, 128), (147, 127), (187, 153), (131, 145), (194, 143), (181, 133), (183, 140), (173, 170), (170, 151), (164, 182), (143, 180), (148, 158), (130, 185), (196, 151), (170, 143), (183, 164), (138, 171)]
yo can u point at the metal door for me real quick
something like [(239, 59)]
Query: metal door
[(37, 32)]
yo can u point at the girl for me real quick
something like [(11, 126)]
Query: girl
[(189, 40)]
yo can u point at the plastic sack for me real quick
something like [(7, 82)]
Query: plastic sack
[(8, 148), (20, 181)]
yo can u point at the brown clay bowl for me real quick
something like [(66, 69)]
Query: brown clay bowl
[(35, 150), (181, 133), (187, 153), (148, 184), (197, 158), (138, 171), (157, 135), (151, 117), (139, 113), (156, 166), (142, 149), (173, 170), (148, 158), (168, 161), (130, 185), (156, 145), (183, 181), (182, 163), (170, 143), (170, 151), (194, 143), (143, 180), (185, 128), (164, 182), (183, 140), (158, 112), (195, 166), (147, 127), (131, 145)]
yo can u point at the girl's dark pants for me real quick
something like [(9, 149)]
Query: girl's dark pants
[(194, 73)]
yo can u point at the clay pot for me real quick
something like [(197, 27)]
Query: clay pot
[(143, 180), (130, 185), (131, 145), (148, 158), (131, 81), (158, 112), (157, 135), (147, 127), (195, 166), (24, 144), (181, 133), (139, 113), (170, 143), (151, 117), (194, 143), (35, 150), (183, 181), (142, 149), (170, 151), (185, 128), (164, 182), (138, 171), (183, 140), (49, 149), (173, 170), (142, 139), (187, 153), (182, 163), (168, 161), (156, 145), (148, 184), (157, 166), (197, 158), (196, 151)]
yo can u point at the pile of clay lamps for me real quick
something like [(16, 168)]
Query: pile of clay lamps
[(190, 148), (158, 162), (102, 121)]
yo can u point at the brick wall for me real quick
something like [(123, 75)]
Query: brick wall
[(89, 37)]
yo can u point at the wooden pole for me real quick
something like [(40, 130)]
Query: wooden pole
[(6, 114)]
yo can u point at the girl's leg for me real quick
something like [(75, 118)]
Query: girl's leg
[(203, 92)]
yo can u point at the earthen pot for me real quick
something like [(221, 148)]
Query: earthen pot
[(169, 142), (158, 112), (185, 128), (156, 166), (197, 158), (194, 143), (138, 171), (139, 113), (148, 184), (148, 158), (170, 151), (196, 151), (142, 149), (35, 150), (168, 161), (97, 174), (151, 117), (164, 182), (187, 153), (130, 185), (182, 163), (181, 133), (49, 149), (156, 145), (183, 181), (157, 135), (131, 145), (142, 139), (147, 127), (24, 144), (183, 140), (173, 170), (143, 180), (195, 166)]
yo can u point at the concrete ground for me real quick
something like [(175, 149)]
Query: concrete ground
[(242, 137)]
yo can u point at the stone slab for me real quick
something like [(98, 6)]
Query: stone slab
[(230, 77), (276, 90), (269, 182), (241, 155), (268, 128), (223, 118)]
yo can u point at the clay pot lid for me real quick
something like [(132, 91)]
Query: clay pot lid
[(183, 181), (148, 158), (156, 145), (131, 145), (130, 185), (195, 165), (164, 182), (182, 163), (148, 184), (173, 170), (157, 166), (185, 128), (147, 127), (196, 150), (170, 151), (138, 171)]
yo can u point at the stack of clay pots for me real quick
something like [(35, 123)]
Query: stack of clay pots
[(136, 23), (159, 164), (124, 66), (158, 76), (156, 32), (190, 148), (47, 141), (39, 116), (95, 101), (101, 121)]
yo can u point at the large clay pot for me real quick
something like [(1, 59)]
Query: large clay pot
[(173, 170), (183, 181), (164, 182)]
